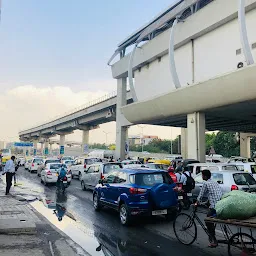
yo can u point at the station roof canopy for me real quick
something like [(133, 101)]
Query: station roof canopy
[(163, 21)]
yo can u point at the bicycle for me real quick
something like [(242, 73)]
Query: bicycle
[(240, 243)]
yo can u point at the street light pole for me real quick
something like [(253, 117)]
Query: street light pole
[(142, 139), (106, 133)]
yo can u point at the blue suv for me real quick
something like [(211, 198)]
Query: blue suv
[(137, 192)]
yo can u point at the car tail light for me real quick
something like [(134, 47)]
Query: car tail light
[(33, 165), (234, 187), (102, 176), (138, 190), (48, 173), (84, 166)]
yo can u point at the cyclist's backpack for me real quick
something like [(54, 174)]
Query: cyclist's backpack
[(190, 184)]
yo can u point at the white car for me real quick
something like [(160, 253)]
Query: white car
[(64, 158), (197, 168), (21, 161), (97, 171), (249, 167), (27, 163), (81, 164), (51, 172), (35, 163)]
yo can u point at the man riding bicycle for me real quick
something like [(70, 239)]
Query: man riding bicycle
[(214, 192)]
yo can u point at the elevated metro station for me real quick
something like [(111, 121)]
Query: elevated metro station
[(192, 67)]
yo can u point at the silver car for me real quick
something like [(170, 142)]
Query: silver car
[(228, 180), (95, 172)]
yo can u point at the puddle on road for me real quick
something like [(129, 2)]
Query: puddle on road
[(82, 235)]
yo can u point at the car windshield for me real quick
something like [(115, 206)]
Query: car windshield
[(91, 160), (150, 179), (38, 160), (66, 158), (111, 167), (56, 166), (244, 179), (52, 161)]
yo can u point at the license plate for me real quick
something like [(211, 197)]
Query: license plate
[(65, 182), (189, 194), (159, 212), (180, 197)]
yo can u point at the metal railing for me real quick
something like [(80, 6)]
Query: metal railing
[(87, 105)]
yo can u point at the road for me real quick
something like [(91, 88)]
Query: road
[(147, 237)]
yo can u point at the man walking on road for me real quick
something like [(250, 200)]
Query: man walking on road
[(9, 169)]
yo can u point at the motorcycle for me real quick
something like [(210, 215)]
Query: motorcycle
[(184, 201), (62, 184)]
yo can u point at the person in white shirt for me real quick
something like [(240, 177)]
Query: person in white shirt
[(9, 170), (181, 178)]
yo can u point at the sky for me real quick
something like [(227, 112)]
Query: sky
[(54, 54)]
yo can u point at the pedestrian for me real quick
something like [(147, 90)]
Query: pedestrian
[(9, 170), (190, 182), (213, 190), (181, 177)]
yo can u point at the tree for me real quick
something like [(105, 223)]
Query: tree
[(225, 144)]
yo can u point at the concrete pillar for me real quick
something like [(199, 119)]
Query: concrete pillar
[(35, 147), (62, 144), (46, 147), (184, 151), (42, 148), (121, 131), (196, 136), (245, 145), (85, 142), (50, 148)]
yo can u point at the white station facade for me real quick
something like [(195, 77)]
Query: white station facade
[(192, 67)]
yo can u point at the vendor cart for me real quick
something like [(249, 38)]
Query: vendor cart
[(240, 242)]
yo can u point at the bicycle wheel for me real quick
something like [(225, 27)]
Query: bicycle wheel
[(241, 244), (185, 229)]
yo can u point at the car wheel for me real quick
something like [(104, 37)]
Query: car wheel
[(125, 218), (80, 176), (42, 181), (96, 204), (83, 185)]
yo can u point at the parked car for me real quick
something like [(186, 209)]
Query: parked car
[(189, 161), (81, 164), (156, 166), (34, 164), (27, 163), (249, 167), (197, 168), (137, 192), (21, 161), (228, 180), (95, 172), (69, 163), (129, 162), (64, 158), (49, 174), (44, 163)]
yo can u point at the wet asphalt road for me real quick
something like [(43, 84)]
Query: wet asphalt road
[(147, 237)]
